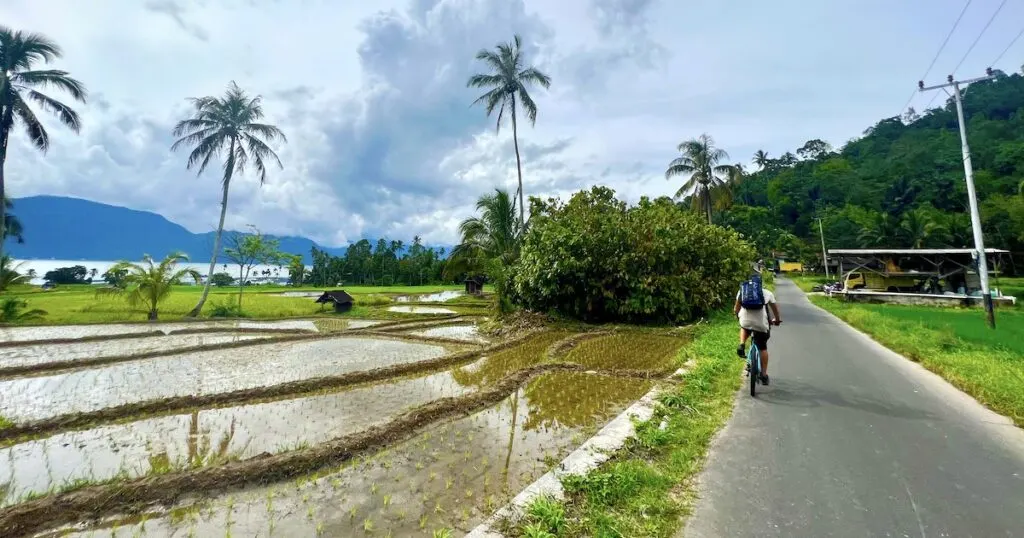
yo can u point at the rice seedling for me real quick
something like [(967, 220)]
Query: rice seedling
[(367, 525)]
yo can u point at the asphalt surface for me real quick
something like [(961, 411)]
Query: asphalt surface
[(851, 439)]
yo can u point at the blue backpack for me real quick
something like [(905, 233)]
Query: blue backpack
[(751, 293)]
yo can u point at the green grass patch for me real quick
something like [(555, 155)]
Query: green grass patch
[(954, 343), (808, 281), (646, 488), (5, 422), (627, 350)]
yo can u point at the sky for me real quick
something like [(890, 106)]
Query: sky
[(382, 137)]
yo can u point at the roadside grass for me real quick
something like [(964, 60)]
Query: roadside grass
[(81, 304), (954, 343), (647, 487), (807, 281)]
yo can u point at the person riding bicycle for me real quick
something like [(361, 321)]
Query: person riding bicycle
[(752, 304)]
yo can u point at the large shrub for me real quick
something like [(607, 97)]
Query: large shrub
[(597, 259)]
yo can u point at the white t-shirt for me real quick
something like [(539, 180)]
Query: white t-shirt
[(756, 320)]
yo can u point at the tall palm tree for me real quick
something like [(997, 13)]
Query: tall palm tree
[(227, 125), (508, 81), (761, 159), (700, 159), (918, 228), (883, 231), (19, 84), (149, 283)]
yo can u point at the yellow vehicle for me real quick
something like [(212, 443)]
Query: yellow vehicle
[(869, 280)]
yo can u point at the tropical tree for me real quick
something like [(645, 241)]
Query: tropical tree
[(761, 159), (21, 83), (9, 274), (490, 242), (227, 126), (14, 310), (507, 82), (12, 226), (701, 160), (918, 228), (149, 283), (882, 231)]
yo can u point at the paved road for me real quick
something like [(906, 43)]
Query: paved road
[(857, 441)]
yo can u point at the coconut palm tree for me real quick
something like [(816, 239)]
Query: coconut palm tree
[(883, 231), (494, 235), (13, 310), (761, 159), (507, 82), (19, 84), (227, 126), (700, 159), (12, 226), (918, 229), (9, 273), (149, 283)]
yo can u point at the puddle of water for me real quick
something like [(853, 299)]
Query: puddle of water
[(469, 333), (438, 297), (420, 310), (204, 372), (301, 294), (46, 353), (629, 351), (19, 334), (452, 475), (209, 436)]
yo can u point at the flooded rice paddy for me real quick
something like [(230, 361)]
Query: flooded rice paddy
[(452, 475), (51, 332), (46, 353), (420, 310), (209, 436), (468, 333), (202, 372), (438, 297)]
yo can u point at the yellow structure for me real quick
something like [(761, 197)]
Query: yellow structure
[(790, 267)]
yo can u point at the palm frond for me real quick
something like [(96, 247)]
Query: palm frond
[(52, 78), (533, 75), (35, 130), (528, 105), (66, 114), (485, 81)]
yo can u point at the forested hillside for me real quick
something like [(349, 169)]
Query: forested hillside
[(900, 185)]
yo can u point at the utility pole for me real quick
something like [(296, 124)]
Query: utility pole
[(972, 197), (824, 253)]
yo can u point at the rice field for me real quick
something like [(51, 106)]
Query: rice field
[(410, 430)]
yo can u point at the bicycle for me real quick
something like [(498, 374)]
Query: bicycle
[(754, 363)]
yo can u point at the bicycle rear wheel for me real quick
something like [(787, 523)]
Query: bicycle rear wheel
[(754, 360)]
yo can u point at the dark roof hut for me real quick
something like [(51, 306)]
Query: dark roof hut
[(475, 285), (342, 301)]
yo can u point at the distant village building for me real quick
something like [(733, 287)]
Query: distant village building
[(342, 301), (475, 285)]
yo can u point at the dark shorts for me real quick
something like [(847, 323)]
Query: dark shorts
[(761, 339)]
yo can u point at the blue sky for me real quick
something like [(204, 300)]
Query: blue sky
[(372, 96)]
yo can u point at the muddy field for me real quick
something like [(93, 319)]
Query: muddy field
[(53, 332), (392, 456)]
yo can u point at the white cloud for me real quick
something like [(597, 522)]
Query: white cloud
[(372, 97)]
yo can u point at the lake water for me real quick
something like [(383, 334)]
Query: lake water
[(278, 274)]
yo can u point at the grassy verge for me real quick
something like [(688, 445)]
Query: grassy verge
[(646, 488), (806, 282), (954, 343)]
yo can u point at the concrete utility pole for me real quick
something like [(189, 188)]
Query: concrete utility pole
[(972, 198), (824, 253)]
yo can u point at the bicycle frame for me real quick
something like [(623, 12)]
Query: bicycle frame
[(754, 364)]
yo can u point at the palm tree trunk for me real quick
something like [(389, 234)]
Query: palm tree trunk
[(3, 159), (241, 282), (706, 196), (519, 164), (229, 168)]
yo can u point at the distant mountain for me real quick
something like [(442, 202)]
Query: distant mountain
[(62, 228)]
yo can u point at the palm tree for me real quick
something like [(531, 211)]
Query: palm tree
[(882, 231), (149, 283), (508, 81), (12, 226), (9, 275), (227, 125), (494, 235), (700, 158), (761, 159), (12, 310), (20, 83), (919, 228)]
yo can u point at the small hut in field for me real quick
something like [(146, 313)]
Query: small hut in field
[(475, 285), (342, 301)]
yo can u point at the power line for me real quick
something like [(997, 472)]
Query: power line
[(983, 30), (1008, 47), (941, 48)]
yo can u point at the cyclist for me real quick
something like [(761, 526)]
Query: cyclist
[(752, 304)]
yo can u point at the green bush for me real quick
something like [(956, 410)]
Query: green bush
[(226, 309), (597, 259), (222, 279)]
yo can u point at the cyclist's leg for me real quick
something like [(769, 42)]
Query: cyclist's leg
[(761, 339), (740, 349)]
